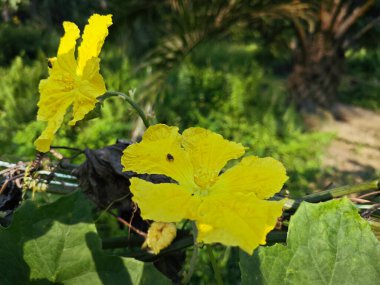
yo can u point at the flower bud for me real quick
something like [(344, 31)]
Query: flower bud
[(160, 235)]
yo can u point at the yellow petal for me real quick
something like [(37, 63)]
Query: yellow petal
[(57, 94), (68, 41), (209, 152), (93, 38), (54, 95), (44, 141), (238, 220), (83, 104), (92, 78), (62, 79), (58, 88), (91, 74), (162, 131), (57, 91), (89, 88), (163, 202), (64, 70), (160, 152), (262, 176)]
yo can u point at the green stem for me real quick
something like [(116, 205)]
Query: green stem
[(194, 257), (366, 186), (334, 193), (215, 267), (130, 101), (185, 242), (145, 256), (226, 256)]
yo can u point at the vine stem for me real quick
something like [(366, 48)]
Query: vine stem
[(131, 102), (321, 196), (194, 257), (215, 267)]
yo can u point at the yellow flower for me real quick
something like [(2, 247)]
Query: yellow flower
[(72, 81), (230, 208), (160, 235)]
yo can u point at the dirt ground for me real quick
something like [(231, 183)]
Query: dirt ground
[(354, 155)]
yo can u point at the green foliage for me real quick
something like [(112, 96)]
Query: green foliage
[(18, 40), (328, 243), (58, 243), (228, 263), (362, 85), (18, 105)]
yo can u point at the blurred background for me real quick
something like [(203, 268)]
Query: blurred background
[(296, 80)]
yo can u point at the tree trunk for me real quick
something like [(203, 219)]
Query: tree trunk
[(5, 13), (317, 72), (319, 58)]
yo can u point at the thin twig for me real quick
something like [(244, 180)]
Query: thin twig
[(56, 154), (370, 211), (4, 186), (111, 204), (124, 222), (121, 220), (16, 177), (369, 194), (358, 200)]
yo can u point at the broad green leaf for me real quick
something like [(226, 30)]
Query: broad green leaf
[(58, 243), (328, 243)]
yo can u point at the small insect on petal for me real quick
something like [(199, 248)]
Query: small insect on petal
[(169, 157), (51, 61)]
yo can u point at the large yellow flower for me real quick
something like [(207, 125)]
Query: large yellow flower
[(72, 82), (230, 208)]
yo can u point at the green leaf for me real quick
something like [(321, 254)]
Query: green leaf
[(58, 243), (328, 243)]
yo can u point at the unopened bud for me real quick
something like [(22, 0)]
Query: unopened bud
[(160, 235)]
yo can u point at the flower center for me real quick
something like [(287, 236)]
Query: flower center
[(201, 191), (205, 180), (68, 82)]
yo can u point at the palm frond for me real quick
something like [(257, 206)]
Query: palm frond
[(194, 22)]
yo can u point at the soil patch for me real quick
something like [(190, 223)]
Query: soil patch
[(354, 155)]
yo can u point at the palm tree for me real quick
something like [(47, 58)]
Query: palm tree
[(324, 29), (192, 22), (320, 54)]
